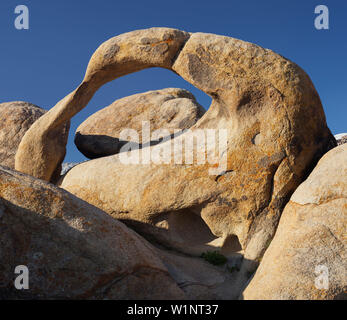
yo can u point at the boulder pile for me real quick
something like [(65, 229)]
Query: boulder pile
[(239, 180)]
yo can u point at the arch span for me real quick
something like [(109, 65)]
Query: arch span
[(269, 106)]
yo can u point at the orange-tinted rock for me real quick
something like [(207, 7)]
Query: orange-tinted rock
[(307, 257), (276, 132)]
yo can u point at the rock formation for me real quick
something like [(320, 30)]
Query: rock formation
[(170, 109), (276, 132), (310, 242), (72, 249), (156, 47), (15, 119)]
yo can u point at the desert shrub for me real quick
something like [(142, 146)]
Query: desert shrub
[(214, 257), (233, 269)]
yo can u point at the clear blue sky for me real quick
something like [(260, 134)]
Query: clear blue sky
[(43, 64)]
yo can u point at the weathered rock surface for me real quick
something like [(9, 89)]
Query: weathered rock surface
[(16, 118), (169, 109), (311, 234), (72, 249), (276, 132), (41, 151)]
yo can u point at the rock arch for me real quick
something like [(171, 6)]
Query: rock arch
[(276, 132)]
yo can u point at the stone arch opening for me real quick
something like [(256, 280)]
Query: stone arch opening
[(136, 83), (119, 56)]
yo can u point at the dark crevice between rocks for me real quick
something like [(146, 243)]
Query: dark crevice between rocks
[(180, 49), (222, 174)]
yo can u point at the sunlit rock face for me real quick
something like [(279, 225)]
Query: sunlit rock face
[(71, 249), (307, 257), (275, 131), (16, 117), (168, 110)]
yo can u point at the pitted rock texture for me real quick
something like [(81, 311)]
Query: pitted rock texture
[(72, 249), (168, 109), (307, 257), (275, 128)]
